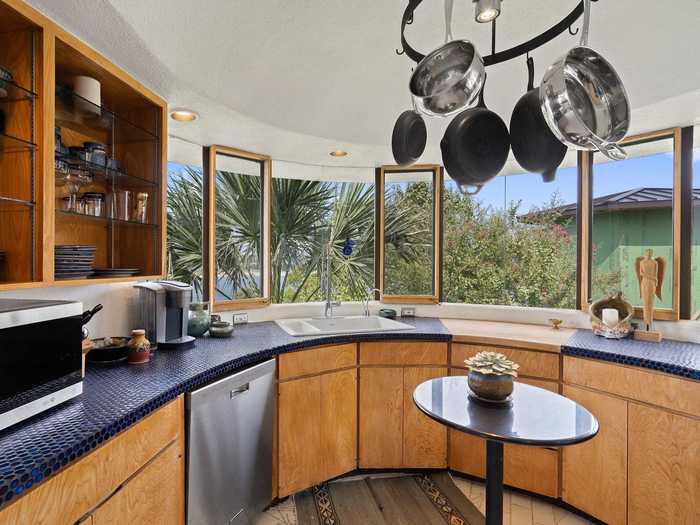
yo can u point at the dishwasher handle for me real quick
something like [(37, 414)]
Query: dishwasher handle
[(240, 390)]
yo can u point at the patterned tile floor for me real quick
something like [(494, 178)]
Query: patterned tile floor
[(518, 509)]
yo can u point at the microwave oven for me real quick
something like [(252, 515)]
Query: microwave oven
[(40, 356)]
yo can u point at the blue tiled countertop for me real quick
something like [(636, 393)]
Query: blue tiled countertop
[(672, 357), (116, 397), (119, 396)]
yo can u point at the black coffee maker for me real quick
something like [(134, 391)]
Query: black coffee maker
[(163, 311)]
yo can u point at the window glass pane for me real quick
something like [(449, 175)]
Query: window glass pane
[(184, 241), (238, 234), (408, 233), (307, 214), (695, 276), (632, 212), (514, 243)]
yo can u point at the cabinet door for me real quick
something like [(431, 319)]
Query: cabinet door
[(299, 434), (338, 423), (424, 439), (155, 495), (664, 467), (594, 477), (527, 468), (381, 424)]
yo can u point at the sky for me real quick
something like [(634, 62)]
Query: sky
[(608, 177)]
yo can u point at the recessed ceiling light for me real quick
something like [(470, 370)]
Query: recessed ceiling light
[(338, 153), (183, 115)]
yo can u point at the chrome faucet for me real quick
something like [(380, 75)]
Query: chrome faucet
[(326, 281), (370, 293)]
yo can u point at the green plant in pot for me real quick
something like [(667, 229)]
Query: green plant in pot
[(491, 375)]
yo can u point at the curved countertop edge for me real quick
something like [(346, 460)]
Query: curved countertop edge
[(30, 451), (47, 443), (676, 358)]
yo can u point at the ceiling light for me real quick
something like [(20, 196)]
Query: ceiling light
[(487, 10), (183, 115), (339, 153)]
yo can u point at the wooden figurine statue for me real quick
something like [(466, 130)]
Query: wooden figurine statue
[(650, 273)]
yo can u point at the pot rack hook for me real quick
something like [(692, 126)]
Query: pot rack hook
[(403, 51), (573, 33)]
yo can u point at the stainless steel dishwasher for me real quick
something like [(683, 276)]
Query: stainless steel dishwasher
[(229, 447)]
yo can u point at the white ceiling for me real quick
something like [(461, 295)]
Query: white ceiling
[(298, 78)]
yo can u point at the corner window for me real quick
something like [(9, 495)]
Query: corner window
[(185, 215), (310, 212), (635, 207), (238, 205), (513, 243), (695, 260), (409, 227)]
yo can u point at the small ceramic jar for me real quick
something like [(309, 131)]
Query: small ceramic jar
[(139, 348), (490, 386), (198, 320)]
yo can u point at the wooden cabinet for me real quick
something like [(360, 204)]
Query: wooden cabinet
[(317, 360), (393, 432), (424, 440), (532, 363), (594, 473), (381, 417), (528, 468), (317, 429), (77, 491), (41, 204), (154, 495), (664, 467)]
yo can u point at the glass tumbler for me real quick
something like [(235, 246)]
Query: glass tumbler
[(124, 202)]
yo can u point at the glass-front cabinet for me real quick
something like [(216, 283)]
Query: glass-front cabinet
[(82, 161)]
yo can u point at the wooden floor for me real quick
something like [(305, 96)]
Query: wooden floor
[(517, 508)]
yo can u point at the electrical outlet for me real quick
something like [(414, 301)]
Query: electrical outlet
[(408, 311), (241, 318)]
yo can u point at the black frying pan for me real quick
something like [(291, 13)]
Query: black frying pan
[(409, 138), (534, 146), (475, 147)]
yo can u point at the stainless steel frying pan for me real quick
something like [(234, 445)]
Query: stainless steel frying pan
[(584, 101)]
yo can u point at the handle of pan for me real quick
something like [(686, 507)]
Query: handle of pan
[(609, 149), (449, 7), (586, 22), (465, 188)]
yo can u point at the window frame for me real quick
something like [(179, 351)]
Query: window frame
[(586, 169), (438, 176), (209, 186)]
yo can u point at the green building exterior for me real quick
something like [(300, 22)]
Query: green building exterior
[(625, 224)]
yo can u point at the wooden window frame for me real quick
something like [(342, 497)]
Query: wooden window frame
[(438, 175), (586, 169), (209, 154)]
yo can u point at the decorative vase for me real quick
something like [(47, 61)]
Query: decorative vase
[(221, 329), (490, 386), (139, 348), (625, 313), (198, 320)]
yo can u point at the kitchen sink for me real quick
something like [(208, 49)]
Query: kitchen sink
[(340, 325)]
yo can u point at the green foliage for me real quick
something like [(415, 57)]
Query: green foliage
[(501, 257), (490, 257)]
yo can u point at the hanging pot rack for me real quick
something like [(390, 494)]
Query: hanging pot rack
[(502, 56)]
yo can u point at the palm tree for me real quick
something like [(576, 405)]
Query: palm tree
[(305, 216)]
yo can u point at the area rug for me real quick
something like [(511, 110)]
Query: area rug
[(431, 499)]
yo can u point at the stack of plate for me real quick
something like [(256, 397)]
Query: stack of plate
[(73, 261), (116, 272)]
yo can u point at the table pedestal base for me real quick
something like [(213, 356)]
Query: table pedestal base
[(494, 482)]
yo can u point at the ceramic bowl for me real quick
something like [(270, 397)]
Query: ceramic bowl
[(490, 386), (221, 329)]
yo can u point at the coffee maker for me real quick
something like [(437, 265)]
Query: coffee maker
[(163, 311)]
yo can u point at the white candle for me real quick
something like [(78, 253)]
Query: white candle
[(611, 317)]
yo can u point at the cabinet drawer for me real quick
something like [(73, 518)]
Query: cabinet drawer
[(63, 499), (537, 364), (317, 360), (650, 387), (403, 353)]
